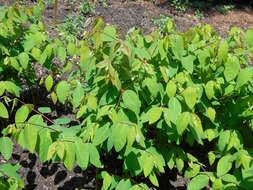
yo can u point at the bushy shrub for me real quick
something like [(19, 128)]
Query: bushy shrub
[(156, 100)]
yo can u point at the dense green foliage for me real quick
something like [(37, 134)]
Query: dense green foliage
[(156, 100)]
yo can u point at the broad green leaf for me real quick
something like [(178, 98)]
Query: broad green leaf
[(54, 97), (61, 52), (229, 178), (174, 109), (43, 58), (211, 113), (21, 139), (6, 147), (45, 141), (224, 165), (161, 49), (210, 89), (23, 59), (179, 164), (101, 135), (182, 122), (30, 137), (192, 171), (81, 111), (244, 76), (71, 48), (153, 179), (187, 63), (232, 68), (154, 114), (49, 83), (165, 73), (120, 135), (211, 158), (49, 50), (12, 88), (14, 63), (22, 114), (142, 54), (92, 102), (94, 156), (223, 52), (229, 89), (56, 147), (171, 160), (217, 184), (109, 34), (198, 182), (190, 95), (11, 171), (82, 154), (44, 109), (180, 78), (177, 46), (166, 114), (3, 111), (223, 140), (2, 88), (107, 180), (62, 91), (148, 165), (249, 37), (69, 155), (171, 89), (62, 121), (36, 53), (78, 95), (132, 134), (124, 184), (152, 85), (131, 101), (172, 69), (197, 128)]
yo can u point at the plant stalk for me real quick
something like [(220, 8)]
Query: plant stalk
[(55, 11)]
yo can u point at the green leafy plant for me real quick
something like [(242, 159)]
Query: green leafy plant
[(199, 14), (86, 7), (145, 98), (163, 23), (224, 9), (9, 178), (105, 3), (72, 26), (179, 5)]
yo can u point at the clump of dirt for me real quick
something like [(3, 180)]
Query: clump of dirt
[(126, 14)]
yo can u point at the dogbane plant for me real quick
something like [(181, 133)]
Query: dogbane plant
[(24, 44), (155, 100)]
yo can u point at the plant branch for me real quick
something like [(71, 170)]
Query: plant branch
[(43, 126), (42, 115)]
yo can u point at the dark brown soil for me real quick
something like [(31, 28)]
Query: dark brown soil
[(50, 176), (126, 14)]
